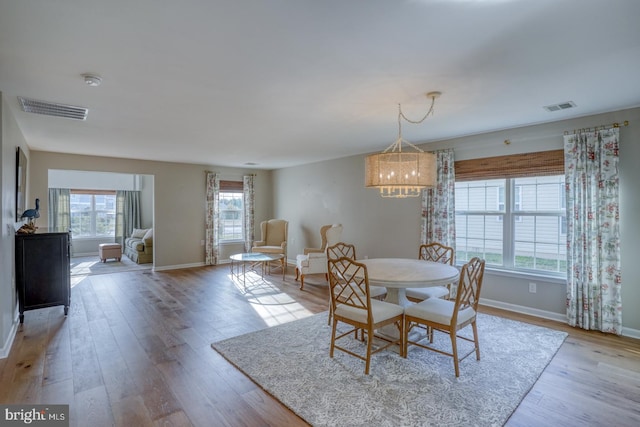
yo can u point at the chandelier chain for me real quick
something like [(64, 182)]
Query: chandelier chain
[(416, 122)]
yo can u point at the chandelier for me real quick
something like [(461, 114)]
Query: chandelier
[(398, 173)]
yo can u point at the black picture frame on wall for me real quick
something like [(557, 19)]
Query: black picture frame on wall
[(21, 182)]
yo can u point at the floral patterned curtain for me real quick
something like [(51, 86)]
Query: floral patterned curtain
[(212, 219), (593, 235), (248, 197), (438, 204)]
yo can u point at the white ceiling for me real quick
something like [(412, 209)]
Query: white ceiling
[(289, 82)]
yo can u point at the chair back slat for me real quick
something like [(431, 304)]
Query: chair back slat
[(436, 252), (341, 249), (469, 285), (349, 283)]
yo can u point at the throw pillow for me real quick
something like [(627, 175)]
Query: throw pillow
[(138, 233), (148, 234)]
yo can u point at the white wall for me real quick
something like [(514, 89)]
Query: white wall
[(10, 138), (89, 180), (312, 195)]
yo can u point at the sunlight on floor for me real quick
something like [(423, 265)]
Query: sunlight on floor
[(273, 305), (77, 279)]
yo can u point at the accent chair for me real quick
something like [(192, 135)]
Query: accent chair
[(274, 240), (314, 260)]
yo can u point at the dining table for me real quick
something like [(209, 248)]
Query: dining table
[(399, 274)]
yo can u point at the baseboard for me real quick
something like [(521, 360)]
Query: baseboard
[(178, 266), (524, 310), (627, 332), (6, 346), (631, 333)]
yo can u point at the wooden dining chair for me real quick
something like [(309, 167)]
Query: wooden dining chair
[(352, 304), (449, 316), (342, 249), (435, 252)]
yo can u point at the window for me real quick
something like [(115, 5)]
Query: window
[(531, 233), (517, 198), (230, 205), (93, 213)]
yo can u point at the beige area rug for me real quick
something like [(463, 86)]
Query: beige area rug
[(291, 362), (91, 265)]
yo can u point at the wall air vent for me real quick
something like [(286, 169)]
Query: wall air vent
[(561, 106), (52, 109)]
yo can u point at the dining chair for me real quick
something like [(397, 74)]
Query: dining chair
[(449, 316), (435, 252), (342, 249), (352, 304)]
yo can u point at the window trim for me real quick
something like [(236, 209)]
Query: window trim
[(235, 187), (92, 193), (508, 266)]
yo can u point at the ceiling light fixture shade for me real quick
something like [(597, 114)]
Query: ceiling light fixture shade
[(398, 173)]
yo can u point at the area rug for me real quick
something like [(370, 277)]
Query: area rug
[(91, 265), (291, 362)]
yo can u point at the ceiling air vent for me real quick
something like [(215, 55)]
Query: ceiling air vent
[(561, 106), (52, 109)]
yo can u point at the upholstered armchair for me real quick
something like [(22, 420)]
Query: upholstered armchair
[(274, 239), (314, 260)]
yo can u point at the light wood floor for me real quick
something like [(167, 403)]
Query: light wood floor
[(135, 351)]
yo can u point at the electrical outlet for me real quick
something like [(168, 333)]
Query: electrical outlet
[(532, 287), (201, 242)]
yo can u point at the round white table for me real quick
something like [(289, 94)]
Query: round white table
[(253, 258), (398, 274)]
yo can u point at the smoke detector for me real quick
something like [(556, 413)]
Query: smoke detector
[(92, 80)]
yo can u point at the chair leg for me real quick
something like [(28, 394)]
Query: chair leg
[(454, 346), (405, 338), (401, 346), (369, 345), (301, 281), (475, 339), (297, 273), (333, 337)]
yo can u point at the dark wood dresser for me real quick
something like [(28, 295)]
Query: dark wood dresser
[(43, 277)]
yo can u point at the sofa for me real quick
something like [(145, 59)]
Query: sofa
[(139, 246)]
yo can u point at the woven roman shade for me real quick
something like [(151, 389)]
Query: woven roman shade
[(231, 186), (512, 166)]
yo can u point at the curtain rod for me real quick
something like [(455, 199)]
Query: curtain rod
[(601, 127)]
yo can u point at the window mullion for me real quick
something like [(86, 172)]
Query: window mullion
[(93, 215), (508, 225)]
